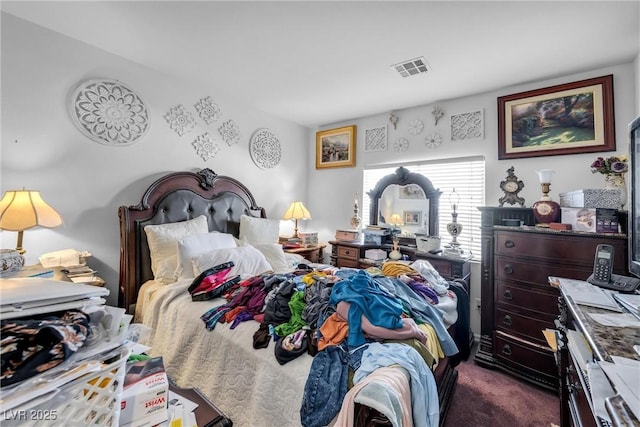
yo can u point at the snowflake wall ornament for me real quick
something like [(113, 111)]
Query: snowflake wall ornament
[(416, 127), (230, 132), (109, 112), (205, 146), (375, 139), (180, 120), (208, 110), (433, 141), (467, 126), (265, 150)]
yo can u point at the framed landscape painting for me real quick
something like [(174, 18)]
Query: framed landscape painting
[(565, 119), (412, 217), (336, 147)]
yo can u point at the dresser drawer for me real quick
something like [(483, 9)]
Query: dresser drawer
[(345, 252), (543, 301), (347, 263), (442, 267), (526, 357), (537, 272), (524, 326)]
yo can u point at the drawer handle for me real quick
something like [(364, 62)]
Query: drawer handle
[(508, 295), (506, 350), (507, 320), (509, 244), (508, 269)]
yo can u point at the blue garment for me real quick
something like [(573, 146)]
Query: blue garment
[(379, 306), (325, 388), (421, 310), (424, 393)]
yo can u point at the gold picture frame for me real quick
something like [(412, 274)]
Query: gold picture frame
[(569, 118), (336, 148)]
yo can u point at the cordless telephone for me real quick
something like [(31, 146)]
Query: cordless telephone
[(602, 272)]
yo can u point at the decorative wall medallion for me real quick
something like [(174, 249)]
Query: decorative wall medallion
[(467, 126), (433, 141), (265, 149), (375, 139), (180, 120), (109, 112), (230, 132), (401, 144), (205, 146), (208, 110), (416, 127)]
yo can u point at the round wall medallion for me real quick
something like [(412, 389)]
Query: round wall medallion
[(109, 112), (416, 127), (265, 149), (433, 141), (401, 144)]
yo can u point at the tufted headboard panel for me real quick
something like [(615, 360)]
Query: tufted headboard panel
[(176, 197)]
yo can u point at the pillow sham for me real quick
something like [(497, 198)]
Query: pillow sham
[(248, 261), (198, 244), (259, 230), (275, 257), (163, 238)]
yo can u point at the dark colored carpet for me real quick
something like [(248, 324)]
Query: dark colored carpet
[(491, 398)]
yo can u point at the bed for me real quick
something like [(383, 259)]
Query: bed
[(248, 383)]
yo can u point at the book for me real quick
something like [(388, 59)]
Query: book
[(629, 301), (584, 293)]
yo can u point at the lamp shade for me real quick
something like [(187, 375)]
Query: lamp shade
[(24, 209), (395, 219), (297, 211), (545, 175)]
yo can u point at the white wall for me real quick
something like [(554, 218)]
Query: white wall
[(87, 181), (332, 190)]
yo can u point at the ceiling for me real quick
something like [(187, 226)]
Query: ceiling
[(321, 62)]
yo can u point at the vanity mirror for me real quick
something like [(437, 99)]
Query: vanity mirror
[(409, 195)]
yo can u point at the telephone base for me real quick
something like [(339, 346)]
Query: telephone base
[(619, 283)]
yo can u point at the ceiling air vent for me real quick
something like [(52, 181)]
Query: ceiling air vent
[(411, 67)]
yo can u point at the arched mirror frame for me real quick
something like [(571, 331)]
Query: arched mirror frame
[(402, 177)]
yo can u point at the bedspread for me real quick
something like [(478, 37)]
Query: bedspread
[(247, 384)]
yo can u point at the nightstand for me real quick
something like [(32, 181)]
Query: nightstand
[(311, 253)]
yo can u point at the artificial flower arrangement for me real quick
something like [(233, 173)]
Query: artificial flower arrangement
[(610, 165)]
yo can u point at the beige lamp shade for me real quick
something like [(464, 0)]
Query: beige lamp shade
[(297, 211), (24, 209), (395, 219)]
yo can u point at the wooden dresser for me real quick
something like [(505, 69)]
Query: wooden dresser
[(517, 303), (352, 254)]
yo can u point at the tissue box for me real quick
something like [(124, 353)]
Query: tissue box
[(10, 261), (592, 220), (375, 254), (347, 235), (592, 198), (145, 394)]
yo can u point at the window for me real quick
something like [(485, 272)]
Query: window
[(466, 175)]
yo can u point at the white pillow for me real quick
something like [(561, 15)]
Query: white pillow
[(163, 244), (259, 230), (248, 261), (198, 244), (275, 257)]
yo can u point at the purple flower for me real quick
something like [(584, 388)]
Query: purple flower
[(619, 167)]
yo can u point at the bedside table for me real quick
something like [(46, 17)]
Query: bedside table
[(312, 253)]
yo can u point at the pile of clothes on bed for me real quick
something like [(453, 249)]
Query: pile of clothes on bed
[(356, 324)]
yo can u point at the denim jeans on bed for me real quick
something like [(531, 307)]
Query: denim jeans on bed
[(325, 388)]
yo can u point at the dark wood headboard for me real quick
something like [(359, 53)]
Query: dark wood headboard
[(176, 197)]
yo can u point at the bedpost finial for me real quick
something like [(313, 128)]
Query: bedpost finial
[(206, 177)]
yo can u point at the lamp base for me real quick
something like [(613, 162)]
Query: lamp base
[(545, 212)]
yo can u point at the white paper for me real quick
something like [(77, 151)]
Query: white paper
[(64, 257), (619, 320), (626, 381), (587, 294), (600, 390)]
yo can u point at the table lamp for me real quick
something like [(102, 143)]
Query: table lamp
[(297, 211), (24, 209), (545, 210), (454, 228)]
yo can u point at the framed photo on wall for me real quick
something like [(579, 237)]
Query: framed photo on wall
[(412, 217), (569, 118), (336, 148)]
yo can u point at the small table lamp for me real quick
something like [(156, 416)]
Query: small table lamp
[(396, 221), (546, 210), (24, 209), (297, 211)]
